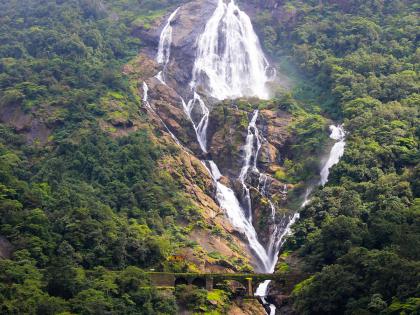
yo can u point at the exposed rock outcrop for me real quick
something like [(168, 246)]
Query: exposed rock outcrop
[(33, 125), (187, 25), (215, 234), (5, 248), (247, 307), (226, 132)]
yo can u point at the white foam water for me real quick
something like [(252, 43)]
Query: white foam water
[(228, 202), (165, 41), (159, 76), (146, 96), (200, 128), (250, 159), (337, 151), (230, 62)]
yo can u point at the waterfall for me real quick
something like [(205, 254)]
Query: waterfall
[(159, 76), (165, 41), (164, 48), (262, 289), (228, 202), (337, 151), (250, 152), (236, 25), (146, 95), (200, 128), (225, 196), (230, 62), (162, 57)]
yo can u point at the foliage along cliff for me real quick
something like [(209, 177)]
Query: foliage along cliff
[(94, 191), (358, 239)]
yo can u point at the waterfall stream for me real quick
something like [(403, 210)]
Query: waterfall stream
[(250, 153), (164, 49), (230, 203), (165, 41), (230, 64), (197, 104), (232, 27), (336, 152)]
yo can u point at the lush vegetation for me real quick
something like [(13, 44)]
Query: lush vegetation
[(360, 235), (98, 203), (58, 58), (87, 214)]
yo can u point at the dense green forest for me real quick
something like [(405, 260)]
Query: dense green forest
[(88, 214), (85, 212), (360, 235)]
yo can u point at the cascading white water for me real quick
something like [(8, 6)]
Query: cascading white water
[(337, 151), (262, 293), (306, 199), (146, 95), (249, 149), (230, 62), (159, 76), (262, 289), (165, 41), (201, 127), (198, 112), (225, 196), (228, 201)]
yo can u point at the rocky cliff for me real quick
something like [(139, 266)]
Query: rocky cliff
[(228, 120)]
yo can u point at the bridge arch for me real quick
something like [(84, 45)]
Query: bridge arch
[(181, 281), (199, 282)]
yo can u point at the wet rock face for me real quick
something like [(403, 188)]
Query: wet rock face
[(227, 135), (227, 126), (35, 126), (188, 24)]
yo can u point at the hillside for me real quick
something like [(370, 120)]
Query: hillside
[(155, 135)]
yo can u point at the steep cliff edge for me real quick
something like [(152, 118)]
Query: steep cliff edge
[(275, 182), (214, 236)]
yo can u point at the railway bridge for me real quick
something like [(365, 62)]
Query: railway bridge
[(209, 280)]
